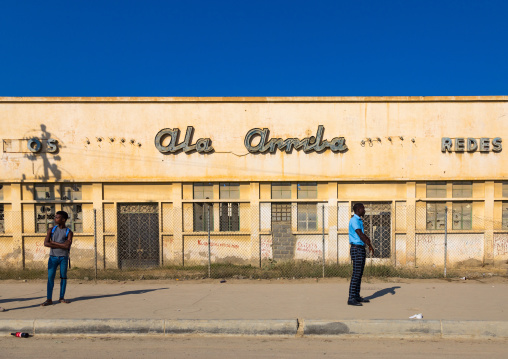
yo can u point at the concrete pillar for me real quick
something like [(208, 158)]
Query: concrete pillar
[(331, 225), (254, 223), (176, 197), (489, 215), (410, 222), (17, 225), (97, 197)]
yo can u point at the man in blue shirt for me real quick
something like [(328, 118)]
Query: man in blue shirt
[(357, 240)]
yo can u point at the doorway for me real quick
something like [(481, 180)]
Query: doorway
[(138, 235)]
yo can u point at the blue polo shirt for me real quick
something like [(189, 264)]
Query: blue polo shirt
[(355, 223)]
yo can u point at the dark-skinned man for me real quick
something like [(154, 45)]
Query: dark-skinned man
[(59, 240), (357, 240)]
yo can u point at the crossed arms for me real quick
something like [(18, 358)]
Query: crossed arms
[(65, 245)]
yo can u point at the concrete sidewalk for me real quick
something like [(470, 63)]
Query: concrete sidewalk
[(285, 304)]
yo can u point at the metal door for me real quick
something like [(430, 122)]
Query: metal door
[(138, 235), (377, 224)]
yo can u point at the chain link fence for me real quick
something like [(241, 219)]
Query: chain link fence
[(244, 240)]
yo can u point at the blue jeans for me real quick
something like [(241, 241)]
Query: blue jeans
[(53, 263)]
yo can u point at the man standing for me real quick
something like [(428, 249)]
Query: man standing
[(357, 240), (59, 240)]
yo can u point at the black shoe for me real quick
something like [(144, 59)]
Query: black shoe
[(362, 300), (354, 302)]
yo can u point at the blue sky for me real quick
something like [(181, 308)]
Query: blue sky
[(253, 48)]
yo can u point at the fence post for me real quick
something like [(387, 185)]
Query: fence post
[(209, 255), (95, 241), (445, 239), (323, 225)]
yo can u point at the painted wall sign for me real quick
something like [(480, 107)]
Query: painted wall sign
[(462, 144), (203, 145), (35, 145), (308, 144)]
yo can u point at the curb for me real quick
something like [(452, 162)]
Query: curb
[(369, 328)]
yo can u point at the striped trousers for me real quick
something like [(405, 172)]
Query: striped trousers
[(358, 255)]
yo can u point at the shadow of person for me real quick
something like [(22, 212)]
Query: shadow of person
[(130, 292), (383, 292)]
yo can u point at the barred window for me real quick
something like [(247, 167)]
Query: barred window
[(201, 217), (281, 212), (307, 190), (75, 221), (203, 191), (436, 189), (462, 215), (44, 217), (462, 189), (71, 192), (2, 219), (307, 216), (229, 220), (44, 192), (229, 191), (436, 216), (281, 190)]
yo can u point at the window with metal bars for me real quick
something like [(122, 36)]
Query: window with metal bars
[(2, 219), (201, 214), (229, 220), (44, 217), (307, 216), (281, 212), (436, 216)]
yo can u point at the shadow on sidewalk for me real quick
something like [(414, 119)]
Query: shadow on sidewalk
[(383, 292), (77, 299), (129, 292), (8, 300)]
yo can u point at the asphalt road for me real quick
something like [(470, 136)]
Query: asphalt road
[(243, 347)]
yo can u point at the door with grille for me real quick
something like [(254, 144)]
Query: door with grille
[(138, 235), (377, 225)]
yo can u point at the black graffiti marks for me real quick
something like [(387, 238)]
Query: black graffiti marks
[(202, 145), (308, 144)]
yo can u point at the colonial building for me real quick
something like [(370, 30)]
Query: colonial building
[(268, 177)]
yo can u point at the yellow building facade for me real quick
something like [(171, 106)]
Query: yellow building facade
[(269, 178)]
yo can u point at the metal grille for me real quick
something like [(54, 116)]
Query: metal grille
[(281, 212), (138, 235), (377, 225)]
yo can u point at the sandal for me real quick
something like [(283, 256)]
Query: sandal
[(47, 302), (62, 300)]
